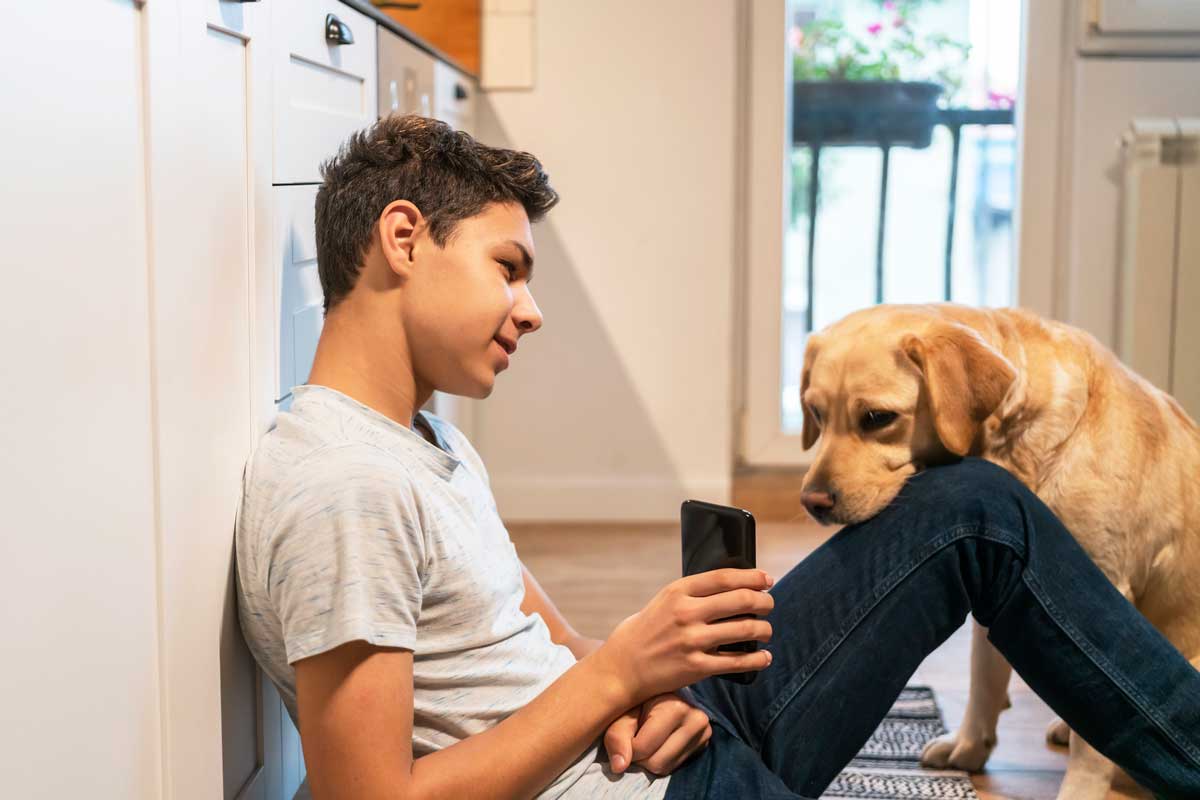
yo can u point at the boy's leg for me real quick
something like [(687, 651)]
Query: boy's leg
[(854, 620)]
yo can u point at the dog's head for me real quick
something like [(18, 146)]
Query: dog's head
[(885, 392)]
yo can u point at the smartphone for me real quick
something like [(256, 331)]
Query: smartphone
[(716, 537)]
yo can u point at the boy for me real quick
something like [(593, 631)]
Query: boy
[(355, 532), (380, 592)]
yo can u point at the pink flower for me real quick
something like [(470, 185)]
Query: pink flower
[(797, 37), (1001, 99), (890, 5), (898, 22), (874, 28)]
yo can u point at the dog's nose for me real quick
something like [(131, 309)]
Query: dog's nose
[(818, 503)]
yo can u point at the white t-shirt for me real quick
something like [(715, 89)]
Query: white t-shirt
[(352, 526)]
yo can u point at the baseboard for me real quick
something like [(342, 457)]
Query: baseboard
[(640, 498)]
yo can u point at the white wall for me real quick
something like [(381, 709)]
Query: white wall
[(620, 407)]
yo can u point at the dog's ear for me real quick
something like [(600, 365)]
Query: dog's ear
[(966, 378), (811, 430)]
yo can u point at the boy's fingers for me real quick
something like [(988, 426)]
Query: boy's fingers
[(715, 581), (618, 739)]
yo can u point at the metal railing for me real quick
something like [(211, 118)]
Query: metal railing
[(872, 129)]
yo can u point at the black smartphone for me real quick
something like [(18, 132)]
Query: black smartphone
[(716, 537)]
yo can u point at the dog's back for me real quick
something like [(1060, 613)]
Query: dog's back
[(1116, 459)]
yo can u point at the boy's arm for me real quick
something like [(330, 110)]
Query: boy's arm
[(356, 712), (561, 631)]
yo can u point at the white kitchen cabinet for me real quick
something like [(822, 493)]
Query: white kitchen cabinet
[(79, 596), (405, 76), (323, 91), (209, 103), (160, 257), (454, 96)]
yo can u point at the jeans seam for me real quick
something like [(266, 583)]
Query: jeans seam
[(823, 654), (1132, 694)]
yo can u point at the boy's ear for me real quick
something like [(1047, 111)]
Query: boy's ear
[(397, 228)]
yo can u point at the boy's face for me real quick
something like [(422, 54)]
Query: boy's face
[(466, 305)]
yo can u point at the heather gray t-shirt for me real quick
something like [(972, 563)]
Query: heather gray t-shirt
[(352, 526)]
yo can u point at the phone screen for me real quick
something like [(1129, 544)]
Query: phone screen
[(717, 537)]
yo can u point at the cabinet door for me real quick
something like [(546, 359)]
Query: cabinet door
[(209, 107), (79, 597), (301, 301), (323, 91)]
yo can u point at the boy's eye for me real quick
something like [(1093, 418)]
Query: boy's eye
[(512, 270), (877, 420)]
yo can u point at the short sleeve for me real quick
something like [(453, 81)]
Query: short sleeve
[(347, 553)]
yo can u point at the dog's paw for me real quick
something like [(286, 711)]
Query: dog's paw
[(1058, 733), (956, 751)]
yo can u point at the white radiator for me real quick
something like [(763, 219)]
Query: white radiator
[(1159, 305)]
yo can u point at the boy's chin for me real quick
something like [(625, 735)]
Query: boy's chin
[(478, 388)]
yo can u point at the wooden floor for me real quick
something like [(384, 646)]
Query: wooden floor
[(598, 574)]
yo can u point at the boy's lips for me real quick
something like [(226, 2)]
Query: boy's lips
[(509, 345), (503, 353)]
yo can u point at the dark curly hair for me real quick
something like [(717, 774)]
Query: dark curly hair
[(445, 173)]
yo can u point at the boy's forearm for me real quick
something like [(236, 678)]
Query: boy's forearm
[(521, 755)]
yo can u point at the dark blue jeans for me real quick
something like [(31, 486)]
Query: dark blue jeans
[(854, 620)]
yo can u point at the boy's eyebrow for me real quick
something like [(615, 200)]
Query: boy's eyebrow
[(524, 257)]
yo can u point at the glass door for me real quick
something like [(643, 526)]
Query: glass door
[(882, 169)]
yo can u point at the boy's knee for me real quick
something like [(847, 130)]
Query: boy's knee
[(970, 492)]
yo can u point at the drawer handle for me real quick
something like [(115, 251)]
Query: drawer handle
[(460, 92), (336, 31)]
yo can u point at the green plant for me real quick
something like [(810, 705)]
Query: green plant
[(890, 49)]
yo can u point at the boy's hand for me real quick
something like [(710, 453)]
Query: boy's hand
[(660, 734)]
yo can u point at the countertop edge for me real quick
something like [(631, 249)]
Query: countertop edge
[(365, 7)]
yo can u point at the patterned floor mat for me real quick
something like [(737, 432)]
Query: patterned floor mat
[(887, 768)]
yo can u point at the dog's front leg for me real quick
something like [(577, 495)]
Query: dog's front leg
[(969, 747)]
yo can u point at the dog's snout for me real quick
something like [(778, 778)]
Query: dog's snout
[(818, 503)]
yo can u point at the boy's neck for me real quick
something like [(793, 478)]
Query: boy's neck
[(349, 358)]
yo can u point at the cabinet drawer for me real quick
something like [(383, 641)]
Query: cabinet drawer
[(323, 91), (405, 77)]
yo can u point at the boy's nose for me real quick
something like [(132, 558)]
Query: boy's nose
[(527, 315)]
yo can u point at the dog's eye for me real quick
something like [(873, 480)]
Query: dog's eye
[(876, 420)]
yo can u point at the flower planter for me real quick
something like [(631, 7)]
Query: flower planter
[(873, 113)]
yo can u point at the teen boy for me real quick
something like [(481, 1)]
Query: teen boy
[(380, 592), (379, 588)]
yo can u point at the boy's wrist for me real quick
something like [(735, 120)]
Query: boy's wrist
[(608, 680)]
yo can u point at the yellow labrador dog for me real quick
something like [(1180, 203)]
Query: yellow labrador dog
[(890, 389)]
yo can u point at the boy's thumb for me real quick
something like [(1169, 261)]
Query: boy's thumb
[(618, 741)]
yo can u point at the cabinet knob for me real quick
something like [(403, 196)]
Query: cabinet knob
[(460, 92), (336, 31)]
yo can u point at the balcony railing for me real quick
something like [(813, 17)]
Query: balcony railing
[(872, 128)]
